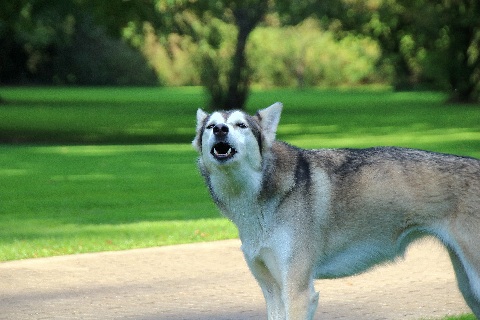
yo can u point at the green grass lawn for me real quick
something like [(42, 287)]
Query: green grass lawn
[(95, 169), (312, 118), (462, 317), (67, 198), (459, 317), (98, 115)]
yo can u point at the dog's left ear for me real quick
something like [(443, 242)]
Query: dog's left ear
[(269, 119), (201, 117)]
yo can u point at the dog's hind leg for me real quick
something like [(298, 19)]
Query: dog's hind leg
[(462, 239), (469, 287)]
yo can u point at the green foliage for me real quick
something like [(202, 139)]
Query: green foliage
[(93, 58), (202, 20), (280, 57), (69, 199), (277, 56), (171, 56), (424, 44), (429, 43), (214, 60)]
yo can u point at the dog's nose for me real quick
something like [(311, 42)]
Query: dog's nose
[(220, 130)]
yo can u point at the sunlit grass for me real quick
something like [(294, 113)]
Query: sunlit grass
[(48, 238), (63, 199), (460, 317), (72, 199), (459, 141)]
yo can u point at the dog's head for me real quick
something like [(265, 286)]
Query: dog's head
[(224, 138)]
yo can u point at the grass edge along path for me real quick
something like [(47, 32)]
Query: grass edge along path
[(459, 317)]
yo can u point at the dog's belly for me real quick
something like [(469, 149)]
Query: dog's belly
[(355, 256), (355, 259)]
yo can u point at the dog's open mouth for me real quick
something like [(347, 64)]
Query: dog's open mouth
[(223, 151)]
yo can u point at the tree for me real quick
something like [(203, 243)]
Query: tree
[(432, 42), (247, 16), (48, 41), (459, 39), (195, 18), (426, 41), (229, 89)]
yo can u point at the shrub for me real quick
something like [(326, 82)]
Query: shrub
[(305, 55), (171, 56), (94, 58), (302, 55)]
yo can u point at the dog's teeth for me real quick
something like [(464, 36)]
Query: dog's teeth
[(215, 152), (229, 151)]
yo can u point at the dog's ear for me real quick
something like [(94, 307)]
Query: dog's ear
[(201, 118), (269, 119)]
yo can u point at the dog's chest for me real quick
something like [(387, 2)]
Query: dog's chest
[(237, 196), (236, 189)]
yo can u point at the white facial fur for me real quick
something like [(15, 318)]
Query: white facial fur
[(241, 138)]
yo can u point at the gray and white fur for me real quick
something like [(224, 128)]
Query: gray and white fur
[(328, 213)]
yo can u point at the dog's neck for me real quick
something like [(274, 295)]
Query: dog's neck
[(236, 190), (248, 192), (235, 182)]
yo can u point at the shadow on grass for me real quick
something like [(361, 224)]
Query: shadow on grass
[(65, 137)]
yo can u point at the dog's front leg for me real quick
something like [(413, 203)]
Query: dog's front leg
[(299, 296), (293, 272), (271, 290), (288, 288)]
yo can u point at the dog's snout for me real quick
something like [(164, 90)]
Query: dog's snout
[(220, 130)]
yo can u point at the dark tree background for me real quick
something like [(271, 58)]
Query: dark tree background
[(433, 44), (429, 43), (69, 42)]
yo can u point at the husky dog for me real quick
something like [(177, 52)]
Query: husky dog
[(328, 213)]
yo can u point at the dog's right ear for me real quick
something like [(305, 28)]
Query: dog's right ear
[(201, 118), (269, 119)]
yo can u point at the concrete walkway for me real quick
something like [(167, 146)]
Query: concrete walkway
[(211, 281)]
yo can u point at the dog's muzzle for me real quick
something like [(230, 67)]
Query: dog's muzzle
[(222, 150)]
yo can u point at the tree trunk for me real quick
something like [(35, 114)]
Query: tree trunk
[(461, 65), (246, 18), (238, 81)]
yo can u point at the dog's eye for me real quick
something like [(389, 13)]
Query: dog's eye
[(210, 126), (242, 125)]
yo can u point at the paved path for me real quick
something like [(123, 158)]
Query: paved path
[(211, 281)]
